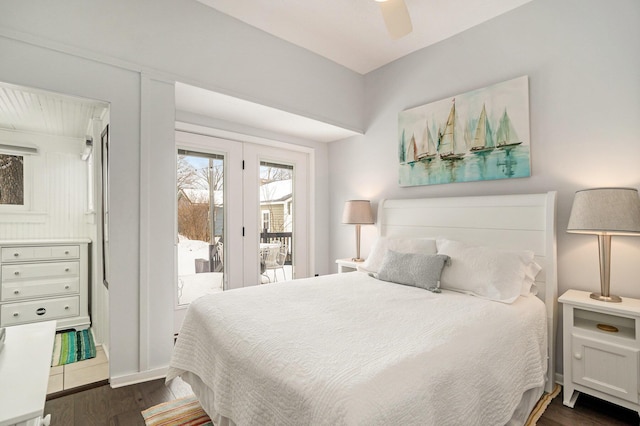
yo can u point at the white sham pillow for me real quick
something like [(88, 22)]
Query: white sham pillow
[(528, 285), (487, 272), (400, 245)]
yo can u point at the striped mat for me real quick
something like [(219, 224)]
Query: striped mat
[(73, 346), (180, 412), (542, 405)]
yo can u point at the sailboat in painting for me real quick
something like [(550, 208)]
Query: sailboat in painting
[(450, 146), (411, 156), (429, 147), (506, 136), (482, 139)]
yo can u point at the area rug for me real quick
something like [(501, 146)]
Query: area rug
[(542, 405), (180, 412), (73, 346)]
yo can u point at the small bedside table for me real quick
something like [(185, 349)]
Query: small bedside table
[(598, 362), (25, 362), (347, 265)]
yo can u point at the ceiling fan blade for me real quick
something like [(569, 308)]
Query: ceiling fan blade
[(396, 18)]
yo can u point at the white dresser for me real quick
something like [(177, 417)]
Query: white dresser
[(43, 280)]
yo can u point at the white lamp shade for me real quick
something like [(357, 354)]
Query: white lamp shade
[(606, 211), (357, 212)]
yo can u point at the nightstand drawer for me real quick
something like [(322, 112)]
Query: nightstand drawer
[(38, 310), (36, 271), (605, 367), (28, 253)]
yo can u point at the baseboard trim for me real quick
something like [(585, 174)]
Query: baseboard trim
[(560, 379), (143, 376)]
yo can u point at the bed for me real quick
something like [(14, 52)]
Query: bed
[(354, 349)]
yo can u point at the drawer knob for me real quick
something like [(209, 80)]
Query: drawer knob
[(577, 355), (16, 273), (66, 269), (66, 252), (66, 308), (16, 254), (15, 314), (66, 287), (16, 291)]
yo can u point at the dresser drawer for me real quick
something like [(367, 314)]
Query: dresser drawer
[(17, 290), (37, 271), (38, 310), (27, 253)]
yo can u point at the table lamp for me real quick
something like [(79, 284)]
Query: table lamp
[(605, 212), (357, 212)]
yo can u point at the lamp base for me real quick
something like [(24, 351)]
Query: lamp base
[(357, 259), (610, 298)]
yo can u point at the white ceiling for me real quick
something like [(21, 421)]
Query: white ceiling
[(223, 107), (38, 111), (352, 32)]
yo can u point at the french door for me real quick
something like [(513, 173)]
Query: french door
[(242, 216)]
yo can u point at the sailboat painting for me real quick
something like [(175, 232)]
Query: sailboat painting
[(475, 136)]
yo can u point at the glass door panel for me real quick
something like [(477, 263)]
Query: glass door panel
[(201, 211), (277, 218)]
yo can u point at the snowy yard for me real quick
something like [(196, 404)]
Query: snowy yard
[(192, 285)]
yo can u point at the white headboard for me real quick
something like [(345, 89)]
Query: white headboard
[(520, 222)]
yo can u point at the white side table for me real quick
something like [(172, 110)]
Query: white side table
[(347, 265), (25, 362), (601, 349)]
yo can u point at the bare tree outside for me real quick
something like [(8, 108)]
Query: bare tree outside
[(11, 179), (197, 184)]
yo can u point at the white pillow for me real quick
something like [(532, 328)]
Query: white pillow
[(528, 285), (400, 245), (487, 272)]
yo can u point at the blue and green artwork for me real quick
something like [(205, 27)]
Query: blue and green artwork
[(478, 135)]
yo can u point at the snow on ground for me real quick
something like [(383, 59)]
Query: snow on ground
[(192, 285)]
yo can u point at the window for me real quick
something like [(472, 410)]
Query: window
[(266, 220), (12, 180)]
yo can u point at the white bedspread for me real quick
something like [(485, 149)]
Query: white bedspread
[(348, 349)]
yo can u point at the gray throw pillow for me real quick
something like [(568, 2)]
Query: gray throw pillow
[(414, 269)]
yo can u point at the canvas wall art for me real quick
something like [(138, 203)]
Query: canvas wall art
[(474, 136)]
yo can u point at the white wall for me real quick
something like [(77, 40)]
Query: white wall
[(197, 45), (58, 194), (128, 54), (583, 62)]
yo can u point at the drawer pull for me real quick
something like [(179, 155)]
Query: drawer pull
[(16, 254), (16, 291), (577, 355), (66, 269), (41, 311), (15, 314), (66, 287), (66, 308), (66, 252), (16, 273)]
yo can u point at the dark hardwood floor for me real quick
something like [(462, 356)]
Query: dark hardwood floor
[(121, 407)]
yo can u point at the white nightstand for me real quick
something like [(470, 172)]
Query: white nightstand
[(347, 265), (25, 362), (601, 363)]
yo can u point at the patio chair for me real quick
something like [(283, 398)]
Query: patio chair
[(275, 261)]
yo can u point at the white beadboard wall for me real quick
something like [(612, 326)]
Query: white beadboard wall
[(58, 207)]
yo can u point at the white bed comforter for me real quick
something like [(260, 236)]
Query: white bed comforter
[(348, 349)]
